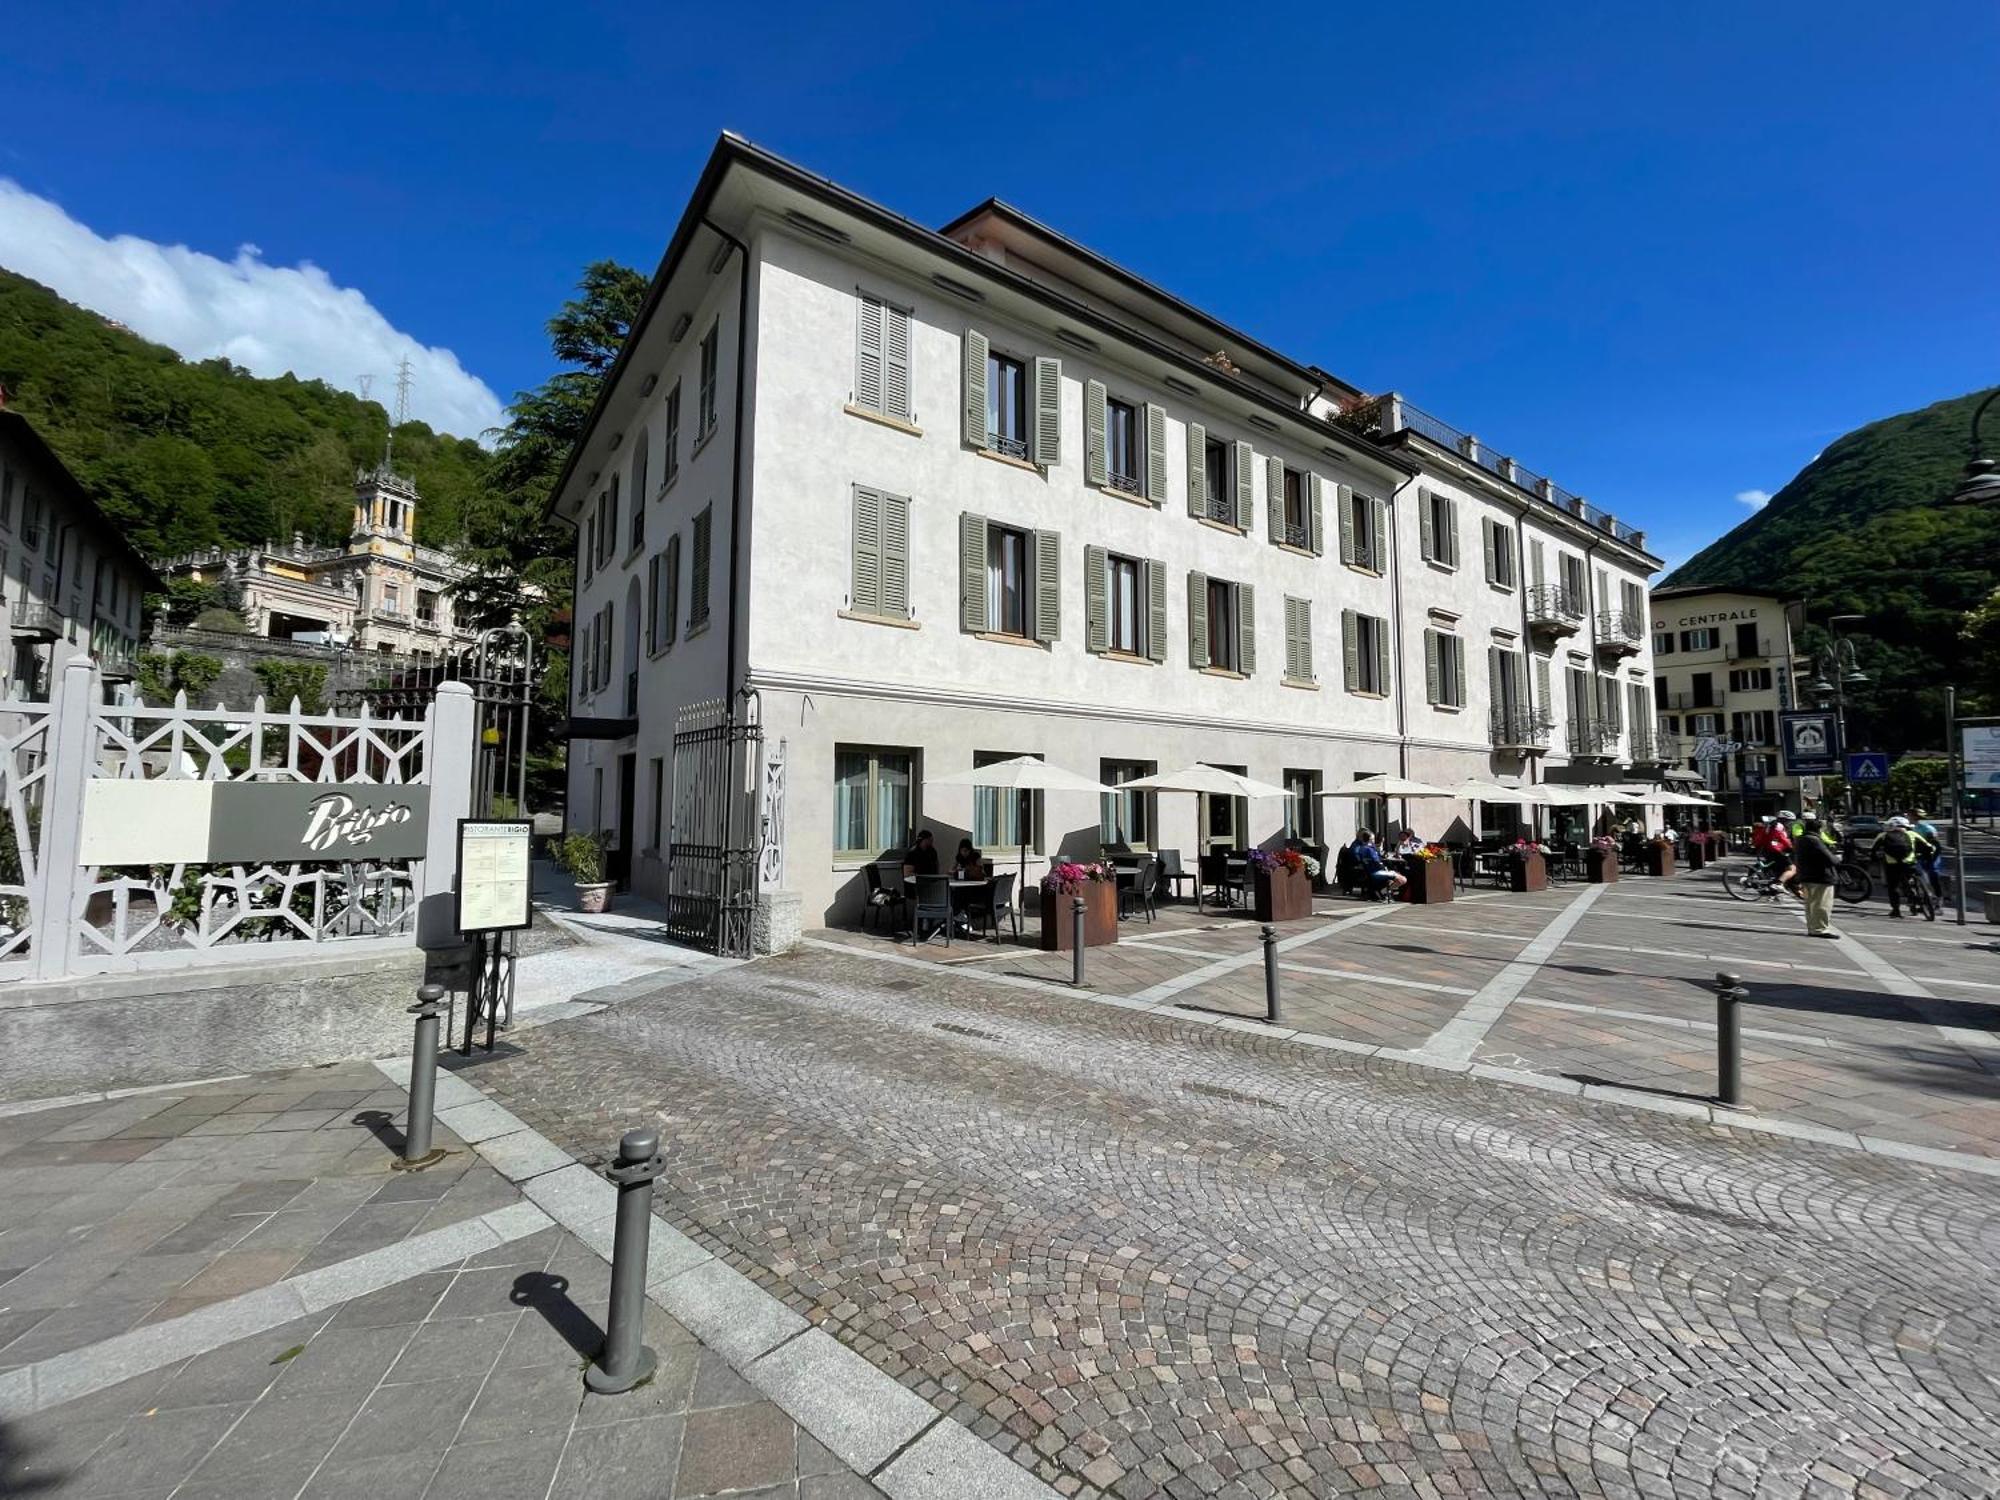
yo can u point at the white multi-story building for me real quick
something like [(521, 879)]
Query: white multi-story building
[(940, 497), (1724, 670), (70, 584)]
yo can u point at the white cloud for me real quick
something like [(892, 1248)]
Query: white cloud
[(268, 319), (1755, 499)]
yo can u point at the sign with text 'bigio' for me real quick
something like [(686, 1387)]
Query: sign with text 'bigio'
[(493, 874), (163, 822)]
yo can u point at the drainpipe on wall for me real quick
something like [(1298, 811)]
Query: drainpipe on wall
[(1396, 612)]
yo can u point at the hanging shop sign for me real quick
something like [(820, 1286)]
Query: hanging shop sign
[(164, 822)]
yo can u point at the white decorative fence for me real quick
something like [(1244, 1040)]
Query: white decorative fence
[(60, 917)]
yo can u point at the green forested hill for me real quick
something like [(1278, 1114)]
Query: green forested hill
[(1863, 529), (185, 455)]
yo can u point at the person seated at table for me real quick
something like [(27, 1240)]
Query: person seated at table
[(968, 863), (922, 858), (1410, 844), (1379, 877)]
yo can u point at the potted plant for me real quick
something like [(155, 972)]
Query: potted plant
[(1097, 884), (1430, 875), (1659, 857), (1281, 881), (1601, 861), (581, 857), (1527, 870)]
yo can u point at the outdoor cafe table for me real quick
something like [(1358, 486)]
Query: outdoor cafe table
[(960, 889)]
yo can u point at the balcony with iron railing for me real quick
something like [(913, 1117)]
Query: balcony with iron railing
[(1011, 447), (1125, 484), (1221, 508), (1550, 608), (33, 620), (1761, 649), (1522, 731), (1298, 534), (1593, 739), (1644, 748), (115, 662), (1620, 633), (1709, 702)]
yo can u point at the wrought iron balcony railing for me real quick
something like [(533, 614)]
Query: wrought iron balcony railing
[(1521, 729), (1619, 631), (1550, 607), (35, 620), (1593, 737)]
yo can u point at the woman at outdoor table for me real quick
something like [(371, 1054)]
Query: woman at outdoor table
[(1410, 844), (968, 863)]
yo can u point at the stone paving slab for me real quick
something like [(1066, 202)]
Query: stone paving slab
[(1149, 1257)]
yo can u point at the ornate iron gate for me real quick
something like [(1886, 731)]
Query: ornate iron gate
[(715, 842)]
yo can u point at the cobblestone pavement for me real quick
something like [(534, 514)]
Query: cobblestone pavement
[(463, 1377), (1149, 1257)]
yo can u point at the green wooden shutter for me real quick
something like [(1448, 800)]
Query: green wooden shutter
[(1246, 486), (974, 349), (1487, 535), (1381, 655), (1433, 677), (673, 605), (1156, 610), (1305, 672), (1425, 506), (1344, 498), (698, 579), (1047, 401), (1291, 639), (1048, 585), (1096, 462), (1378, 536), (1316, 519), (1274, 498), (1156, 454), (1096, 629), (868, 353), (896, 556), (653, 602), (866, 590), (1246, 629), (971, 572), (1197, 619), (1496, 693), (896, 363), (1537, 564), (1544, 690), (1450, 538), (1458, 675), (1197, 473), (1350, 649)]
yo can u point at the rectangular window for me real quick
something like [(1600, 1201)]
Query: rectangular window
[(1007, 405), (1754, 727), (1663, 643), (872, 807), (1750, 680), (1122, 629), (1298, 640), (427, 608), (587, 538), (997, 811), (698, 576), (1361, 539), (671, 458), (1222, 625), (1500, 569), (653, 602), (666, 603), (1302, 809), (1704, 723), (882, 357), (1746, 639), (607, 536), (1365, 645), (1215, 473), (1122, 451), (1438, 518), (711, 354), (1706, 639), (1007, 588), (1701, 689), (31, 518), (659, 780), (879, 579), (1298, 511), (1125, 817), (1444, 669), (1575, 582)]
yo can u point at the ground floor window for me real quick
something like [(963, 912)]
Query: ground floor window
[(1228, 817), (659, 799), (1125, 817), (1371, 813), (997, 811), (872, 806), (1302, 806)]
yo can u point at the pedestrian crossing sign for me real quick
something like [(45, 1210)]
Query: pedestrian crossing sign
[(1867, 769)]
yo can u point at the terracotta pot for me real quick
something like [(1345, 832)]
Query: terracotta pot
[(1659, 858), (1601, 866), (1100, 917), (1528, 871), (1430, 881), (593, 898), (1282, 895)]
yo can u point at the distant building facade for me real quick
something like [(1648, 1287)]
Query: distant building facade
[(381, 592), (1722, 673), (70, 584)]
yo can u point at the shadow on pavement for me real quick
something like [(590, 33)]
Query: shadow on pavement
[(16, 1454), (549, 1295), (382, 1125)]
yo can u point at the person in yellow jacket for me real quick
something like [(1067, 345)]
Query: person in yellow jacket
[(1903, 851)]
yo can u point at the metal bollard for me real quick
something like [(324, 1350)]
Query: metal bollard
[(1270, 941), (625, 1360), (1729, 994), (417, 1150), (1076, 944)]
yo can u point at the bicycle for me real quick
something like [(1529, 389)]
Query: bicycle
[(1758, 883), (1918, 889)]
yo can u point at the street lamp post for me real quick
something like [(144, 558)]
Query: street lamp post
[(1838, 669), (1980, 484)]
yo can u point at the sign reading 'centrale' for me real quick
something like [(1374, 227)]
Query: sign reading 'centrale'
[(251, 822)]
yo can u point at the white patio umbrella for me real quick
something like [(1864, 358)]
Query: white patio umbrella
[(1204, 781), (1551, 794), (1388, 786), (1472, 789), (1022, 774)]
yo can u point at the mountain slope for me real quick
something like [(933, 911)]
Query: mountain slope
[(1863, 529), (187, 455)]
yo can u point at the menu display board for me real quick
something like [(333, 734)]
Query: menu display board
[(493, 874)]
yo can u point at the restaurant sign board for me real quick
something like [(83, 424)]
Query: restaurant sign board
[(130, 821)]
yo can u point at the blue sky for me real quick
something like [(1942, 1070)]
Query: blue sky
[(1662, 254)]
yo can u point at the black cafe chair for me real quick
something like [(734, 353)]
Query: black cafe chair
[(885, 893), (933, 904), (985, 907), (1171, 874)]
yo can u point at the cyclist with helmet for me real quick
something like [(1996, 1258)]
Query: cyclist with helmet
[(1932, 864), (1902, 850), (1773, 842)]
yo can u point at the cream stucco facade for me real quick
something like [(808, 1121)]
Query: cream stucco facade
[(883, 526), (1724, 669)]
